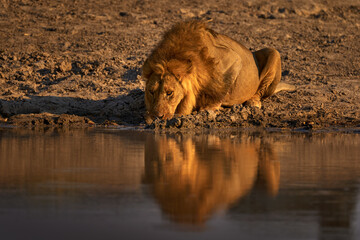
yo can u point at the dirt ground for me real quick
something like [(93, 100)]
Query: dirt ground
[(79, 62)]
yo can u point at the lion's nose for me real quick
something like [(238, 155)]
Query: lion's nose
[(159, 114)]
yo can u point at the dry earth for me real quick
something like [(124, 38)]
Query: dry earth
[(79, 62)]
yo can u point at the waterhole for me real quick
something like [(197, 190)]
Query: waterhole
[(116, 184)]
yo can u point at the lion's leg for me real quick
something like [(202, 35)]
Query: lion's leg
[(213, 107), (186, 106), (269, 64)]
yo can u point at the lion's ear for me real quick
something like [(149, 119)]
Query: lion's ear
[(179, 68), (146, 70)]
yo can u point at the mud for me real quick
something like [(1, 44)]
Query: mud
[(81, 60)]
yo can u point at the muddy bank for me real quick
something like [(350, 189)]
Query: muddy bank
[(271, 117), (82, 60)]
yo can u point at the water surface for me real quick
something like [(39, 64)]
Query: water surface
[(112, 184)]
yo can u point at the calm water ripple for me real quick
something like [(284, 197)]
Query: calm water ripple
[(110, 184)]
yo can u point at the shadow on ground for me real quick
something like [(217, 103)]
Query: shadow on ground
[(124, 109)]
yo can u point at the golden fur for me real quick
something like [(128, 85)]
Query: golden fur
[(194, 67), (196, 176)]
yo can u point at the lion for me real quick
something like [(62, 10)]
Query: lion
[(196, 68), (192, 178)]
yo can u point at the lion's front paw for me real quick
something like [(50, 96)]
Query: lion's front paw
[(254, 102)]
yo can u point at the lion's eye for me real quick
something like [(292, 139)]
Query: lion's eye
[(169, 93)]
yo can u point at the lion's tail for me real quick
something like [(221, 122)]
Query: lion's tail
[(284, 87)]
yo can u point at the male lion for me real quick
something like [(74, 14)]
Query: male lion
[(193, 177), (195, 68)]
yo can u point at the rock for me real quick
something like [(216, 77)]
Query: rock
[(65, 66), (175, 122), (244, 114), (211, 115)]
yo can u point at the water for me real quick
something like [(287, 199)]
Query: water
[(111, 184)]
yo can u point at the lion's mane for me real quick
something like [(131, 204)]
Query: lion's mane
[(185, 44)]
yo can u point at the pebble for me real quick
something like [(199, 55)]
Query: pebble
[(65, 66), (211, 115)]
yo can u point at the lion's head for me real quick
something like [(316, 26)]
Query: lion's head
[(164, 88), (180, 73)]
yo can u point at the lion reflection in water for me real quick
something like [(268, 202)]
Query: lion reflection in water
[(194, 177)]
